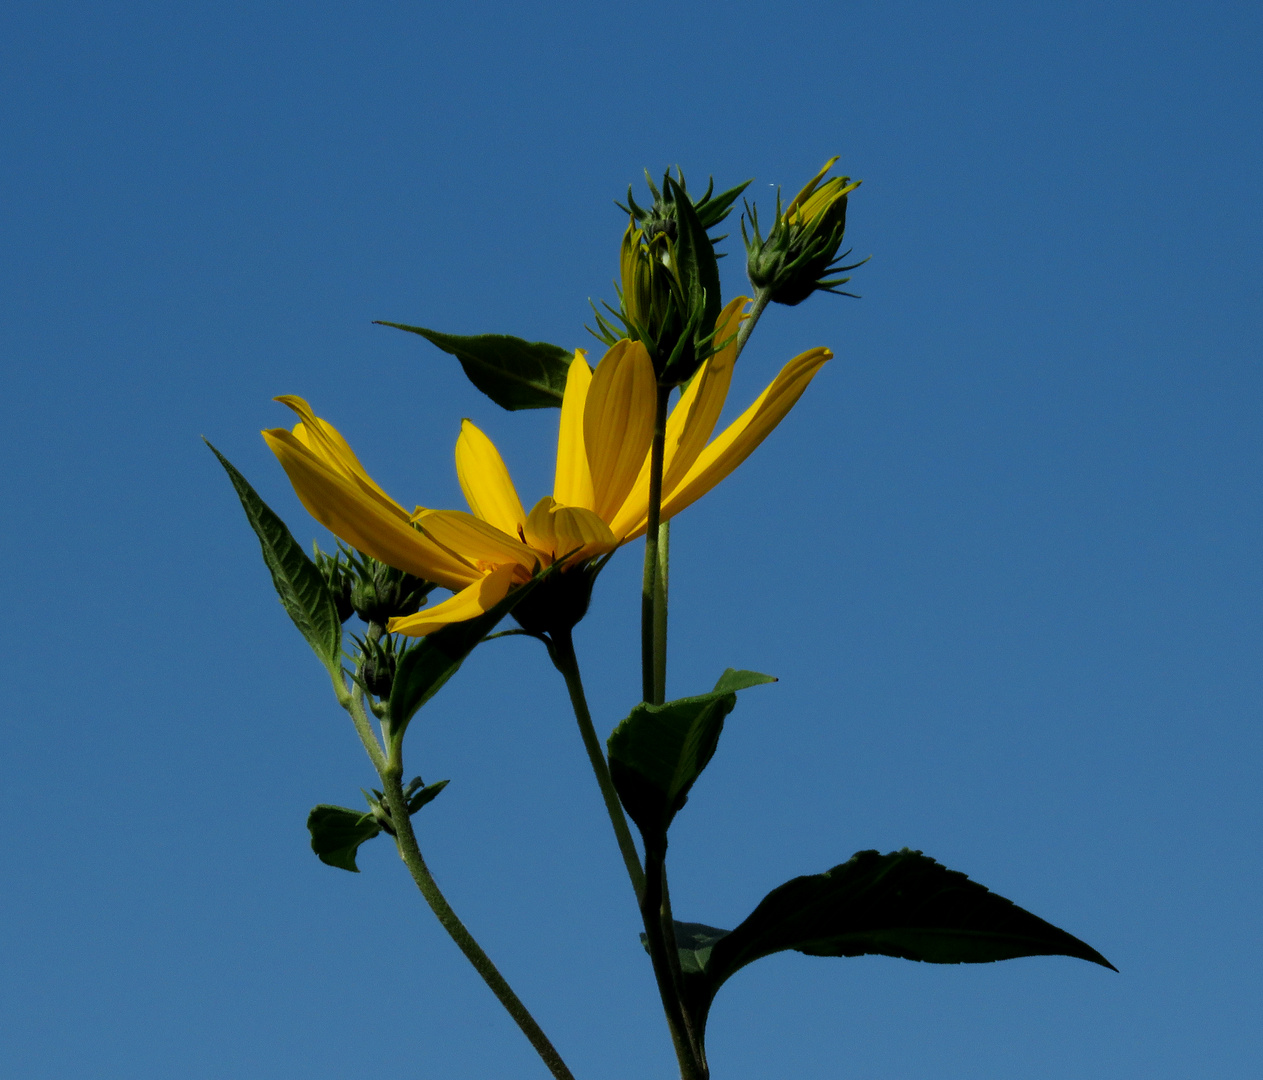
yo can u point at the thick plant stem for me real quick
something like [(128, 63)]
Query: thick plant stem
[(410, 852), (762, 297), (650, 656), (660, 948), (568, 664)]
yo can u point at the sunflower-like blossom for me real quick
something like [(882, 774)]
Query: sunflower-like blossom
[(600, 496)]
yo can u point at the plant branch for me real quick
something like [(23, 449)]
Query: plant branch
[(410, 853)]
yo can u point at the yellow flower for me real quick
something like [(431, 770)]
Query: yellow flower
[(600, 496)]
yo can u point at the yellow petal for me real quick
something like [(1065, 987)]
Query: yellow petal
[(703, 400), (327, 443), (740, 438), (350, 513), (486, 482), (618, 423), (469, 603), (573, 482), (691, 421), (474, 539), (810, 186), (567, 530)]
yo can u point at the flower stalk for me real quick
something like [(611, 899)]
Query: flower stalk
[(561, 650)]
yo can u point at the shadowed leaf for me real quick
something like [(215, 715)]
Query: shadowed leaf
[(658, 752), (514, 373)]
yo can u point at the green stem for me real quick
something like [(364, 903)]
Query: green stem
[(567, 663), (353, 702), (654, 912), (653, 658), (661, 584), (410, 852), (761, 299)]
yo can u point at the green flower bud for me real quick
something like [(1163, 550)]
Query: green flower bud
[(380, 592), (801, 250), (669, 285)]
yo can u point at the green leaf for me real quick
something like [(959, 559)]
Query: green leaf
[(514, 373), (425, 667), (660, 750), (337, 833), (902, 904), (699, 269), (299, 584)]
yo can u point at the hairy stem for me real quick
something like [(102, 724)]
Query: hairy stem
[(567, 663), (410, 853)]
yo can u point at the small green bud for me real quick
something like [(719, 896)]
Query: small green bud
[(801, 249), (379, 592)]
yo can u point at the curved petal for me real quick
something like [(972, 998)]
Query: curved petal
[(618, 423), (346, 510), (702, 401), (567, 530), (738, 441), (573, 482), (469, 603), (474, 539), (486, 482), (327, 444), (740, 438), (691, 422)]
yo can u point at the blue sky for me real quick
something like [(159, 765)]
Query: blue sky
[(1004, 557)]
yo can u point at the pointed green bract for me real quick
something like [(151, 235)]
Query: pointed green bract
[(424, 668), (298, 582), (699, 275), (658, 752), (514, 373), (337, 833)]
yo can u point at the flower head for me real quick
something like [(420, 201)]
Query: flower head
[(600, 494), (801, 249)]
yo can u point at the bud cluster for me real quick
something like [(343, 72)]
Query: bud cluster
[(801, 249), (367, 587)]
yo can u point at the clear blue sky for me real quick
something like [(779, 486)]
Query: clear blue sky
[(1005, 557)]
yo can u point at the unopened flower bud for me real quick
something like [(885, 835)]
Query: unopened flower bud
[(801, 249)]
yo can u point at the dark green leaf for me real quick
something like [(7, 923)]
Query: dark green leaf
[(699, 270), (903, 904), (425, 667), (660, 750), (299, 584), (337, 833), (515, 374)]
